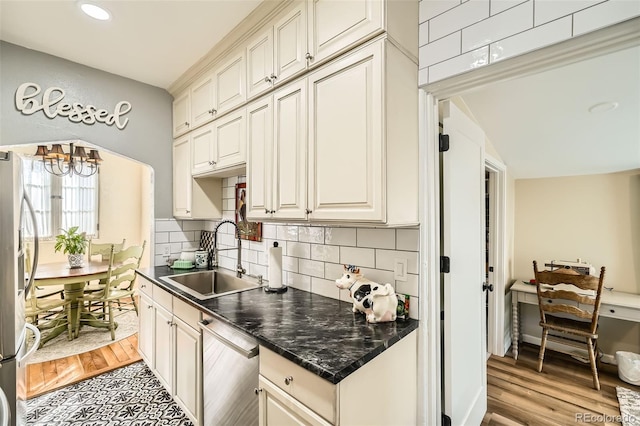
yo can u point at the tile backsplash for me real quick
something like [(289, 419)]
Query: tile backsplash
[(312, 255)]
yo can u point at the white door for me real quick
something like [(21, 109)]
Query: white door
[(202, 150), (464, 359), (188, 369), (230, 83), (181, 114), (164, 347), (145, 326)]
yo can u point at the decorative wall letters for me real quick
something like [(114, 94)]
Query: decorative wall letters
[(27, 103)]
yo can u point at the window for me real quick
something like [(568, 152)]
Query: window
[(60, 202)]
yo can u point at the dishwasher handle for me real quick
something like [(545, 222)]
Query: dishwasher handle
[(248, 349)]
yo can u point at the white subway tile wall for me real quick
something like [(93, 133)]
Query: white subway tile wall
[(455, 36), (312, 255)]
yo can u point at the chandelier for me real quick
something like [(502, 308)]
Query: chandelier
[(76, 162)]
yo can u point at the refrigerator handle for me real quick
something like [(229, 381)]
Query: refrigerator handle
[(36, 245), (34, 348)]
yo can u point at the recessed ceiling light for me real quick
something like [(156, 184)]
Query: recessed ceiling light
[(96, 12), (603, 107)]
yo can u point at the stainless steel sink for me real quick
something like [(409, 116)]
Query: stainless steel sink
[(209, 284)]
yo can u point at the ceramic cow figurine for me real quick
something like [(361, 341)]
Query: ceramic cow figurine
[(377, 301)]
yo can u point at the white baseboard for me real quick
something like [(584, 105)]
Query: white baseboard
[(581, 353)]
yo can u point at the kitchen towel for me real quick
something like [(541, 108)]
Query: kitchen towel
[(275, 266)]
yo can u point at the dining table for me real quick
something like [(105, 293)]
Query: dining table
[(73, 281)]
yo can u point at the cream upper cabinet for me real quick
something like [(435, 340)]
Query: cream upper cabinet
[(230, 82), (278, 52), (259, 158), (181, 114), (203, 95), (346, 138), (335, 25), (260, 63), (277, 160), (182, 177), (202, 150), (289, 196), (290, 43), (230, 143), (363, 138)]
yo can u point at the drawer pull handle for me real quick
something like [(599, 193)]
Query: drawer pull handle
[(613, 311), (257, 391), (288, 380)]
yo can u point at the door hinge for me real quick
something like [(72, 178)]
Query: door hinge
[(445, 264), (444, 143), (446, 420)]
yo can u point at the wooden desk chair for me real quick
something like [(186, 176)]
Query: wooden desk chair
[(121, 278), (572, 313)]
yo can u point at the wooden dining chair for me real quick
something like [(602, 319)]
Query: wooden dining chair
[(48, 313), (121, 277), (104, 249), (569, 305)]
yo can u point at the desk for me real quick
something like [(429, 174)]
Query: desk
[(74, 281), (614, 304)]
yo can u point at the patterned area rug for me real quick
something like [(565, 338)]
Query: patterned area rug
[(89, 339), (629, 406), (130, 395)]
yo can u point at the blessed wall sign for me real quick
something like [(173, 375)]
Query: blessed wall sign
[(28, 102)]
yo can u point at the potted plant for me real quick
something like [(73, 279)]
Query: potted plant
[(73, 244)]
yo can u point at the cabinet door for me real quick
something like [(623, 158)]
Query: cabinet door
[(230, 83), (146, 329), (260, 63), (181, 114), (202, 101), (290, 151), (203, 150), (277, 408), (259, 158), (188, 362), (335, 24), (164, 346), (290, 43), (182, 179), (345, 138), (230, 143)]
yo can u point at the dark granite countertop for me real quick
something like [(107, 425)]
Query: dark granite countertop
[(318, 333)]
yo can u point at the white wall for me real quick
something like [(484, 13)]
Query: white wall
[(458, 36)]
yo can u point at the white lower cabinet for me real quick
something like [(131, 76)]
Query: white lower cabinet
[(170, 342), (292, 395)]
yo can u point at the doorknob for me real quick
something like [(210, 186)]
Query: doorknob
[(486, 287)]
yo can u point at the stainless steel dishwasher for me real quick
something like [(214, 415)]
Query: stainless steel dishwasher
[(230, 375)]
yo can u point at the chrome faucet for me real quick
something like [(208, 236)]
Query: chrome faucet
[(239, 269)]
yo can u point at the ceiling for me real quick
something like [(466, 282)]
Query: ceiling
[(539, 125), (153, 42)]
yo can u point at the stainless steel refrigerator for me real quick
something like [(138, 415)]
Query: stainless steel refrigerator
[(15, 210)]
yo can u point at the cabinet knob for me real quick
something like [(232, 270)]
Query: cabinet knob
[(272, 211), (188, 211), (288, 380), (257, 391), (308, 57), (274, 77), (266, 211), (212, 111), (169, 323), (143, 286), (613, 311), (267, 80), (308, 211), (149, 306), (186, 123)]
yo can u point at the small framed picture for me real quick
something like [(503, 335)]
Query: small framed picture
[(251, 231)]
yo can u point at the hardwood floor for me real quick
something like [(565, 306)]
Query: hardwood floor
[(51, 375), (561, 394)]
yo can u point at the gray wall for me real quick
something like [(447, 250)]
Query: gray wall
[(146, 138)]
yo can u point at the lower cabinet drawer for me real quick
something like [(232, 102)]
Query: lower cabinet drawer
[(620, 312), (311, 390)]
